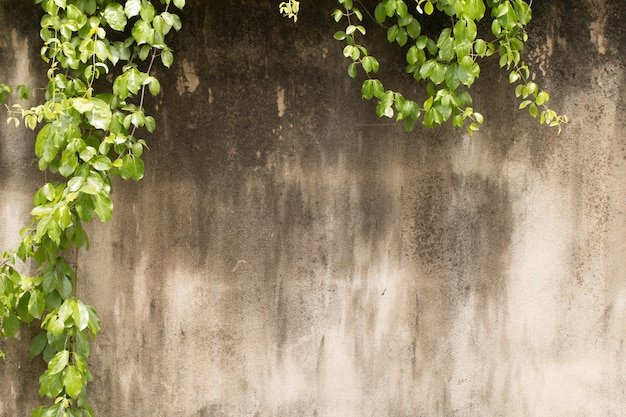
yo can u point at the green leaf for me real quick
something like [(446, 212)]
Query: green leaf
[(134, 80), (104, 207), (42, 138), (51, 386), (496, 28), (101, 50), (431, 46), (392, 33), (340, 35), (501, 9), (80, 314), (82, 344), (115, 16), (401, 37), (92, 184), (101, 163), (143, 33), (439, 73), (475, 10), (36, 304), (480, 47), (132, 8), (37, 412), (352, 70), (86, 155), (150, 124), (414, 29), (38, 344), (542, 97), (167, 58), (370, 64), (94, 321), (179, 3), (72, 381), (446, 50), (147, 11), (85, 207), (63, 216), (58, 362), (82, 105), (367, 91), (22, 308), (100, 115), (64, 287), (23, 91), (69, 162), (379, 13), (10, 324), (154, 86), (428, 8), (390, 8), (337, 15)]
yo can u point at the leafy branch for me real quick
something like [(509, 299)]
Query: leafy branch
[(86, 137), (447, 65)]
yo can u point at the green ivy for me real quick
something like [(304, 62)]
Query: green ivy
[(446, 65), (86, 137)]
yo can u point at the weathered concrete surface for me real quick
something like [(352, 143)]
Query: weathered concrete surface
[(289, 254)]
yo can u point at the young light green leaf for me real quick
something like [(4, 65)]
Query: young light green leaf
[(58, 362), (72, 381), (428, 8), (132, 8), (147, 11), (103, 207), (115, 16), (100, 115), (154, 86), (143, 33), (167, 58), (80, 314)]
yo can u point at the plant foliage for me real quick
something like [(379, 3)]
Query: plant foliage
[(87, 136), (447, 64)]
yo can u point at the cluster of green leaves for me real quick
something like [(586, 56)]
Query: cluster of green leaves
[(86, 138), (446, 64)]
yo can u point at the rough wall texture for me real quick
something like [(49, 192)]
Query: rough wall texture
[(289, 254)]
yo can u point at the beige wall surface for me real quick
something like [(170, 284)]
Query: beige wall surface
[(290, 254)]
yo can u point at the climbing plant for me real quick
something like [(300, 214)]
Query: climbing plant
[(446, 64), (89, 132), (91, 123)]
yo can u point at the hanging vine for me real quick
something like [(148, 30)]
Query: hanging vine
[(87, 136), (445, 65)]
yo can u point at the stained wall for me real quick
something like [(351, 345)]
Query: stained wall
[(290, 254)]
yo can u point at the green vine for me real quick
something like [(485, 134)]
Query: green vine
[(87, 137), (446, 65)]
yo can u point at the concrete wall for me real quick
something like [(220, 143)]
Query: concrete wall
[(289, 254)]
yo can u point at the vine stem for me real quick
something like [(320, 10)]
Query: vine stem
[(143, 87)]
